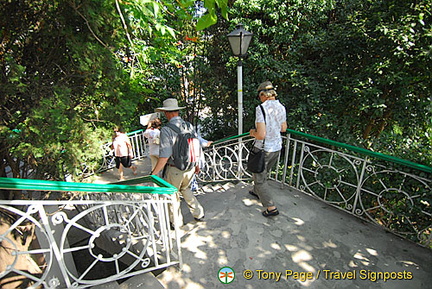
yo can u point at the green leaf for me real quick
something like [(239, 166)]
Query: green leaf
[(223, 5), (155, 9), (206, 21)]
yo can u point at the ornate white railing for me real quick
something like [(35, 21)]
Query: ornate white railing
[(126, 228), (139, 146), (107, 233), (388, 191)]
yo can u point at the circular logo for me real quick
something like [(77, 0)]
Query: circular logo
[(226, 275)]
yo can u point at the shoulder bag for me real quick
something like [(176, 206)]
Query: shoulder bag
[(256, 158)]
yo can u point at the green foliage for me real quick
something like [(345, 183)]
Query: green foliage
[(211, 16), (70, 70), (353, 71), (56, 140), (61, 80)]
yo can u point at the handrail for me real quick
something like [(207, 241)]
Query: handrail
[(121, 187), (155, 179), (364, 151), (132, 229), (366, 184), (134, 132), (230, 138)]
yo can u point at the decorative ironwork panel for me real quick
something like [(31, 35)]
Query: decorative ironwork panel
[(78, 244), (23, 262), (398, 201), (393, 196), (384, 192), (226, 161), (330, 176)]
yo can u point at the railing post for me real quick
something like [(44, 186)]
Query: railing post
[(285, 164), (54, 238), (300, 167), (240, 159)]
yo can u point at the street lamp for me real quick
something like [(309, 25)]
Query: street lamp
[(239, 40)]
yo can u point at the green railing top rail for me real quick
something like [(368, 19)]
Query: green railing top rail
[(135, 132), (121, 187), (230, 138), (363, 151)]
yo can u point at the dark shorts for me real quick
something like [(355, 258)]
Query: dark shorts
[(125, 161)]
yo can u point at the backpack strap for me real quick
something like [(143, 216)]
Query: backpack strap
[(173, 127)]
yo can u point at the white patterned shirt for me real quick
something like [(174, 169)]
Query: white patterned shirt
[(275, 116)]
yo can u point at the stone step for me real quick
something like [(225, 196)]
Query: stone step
[(109, 285)]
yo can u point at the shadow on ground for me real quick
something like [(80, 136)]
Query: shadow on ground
[(309, 245)]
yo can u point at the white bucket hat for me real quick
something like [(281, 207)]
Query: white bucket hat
[(170, 104)]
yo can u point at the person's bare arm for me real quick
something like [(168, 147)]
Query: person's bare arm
[(159, 166), (284, 126), (130, 150), (260, 131)]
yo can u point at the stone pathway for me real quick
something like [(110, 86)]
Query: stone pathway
[(309, 245)]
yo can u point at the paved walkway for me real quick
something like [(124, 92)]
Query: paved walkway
[(309, 245), (112, 175)]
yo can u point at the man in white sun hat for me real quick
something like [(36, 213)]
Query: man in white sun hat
[(181, 179)]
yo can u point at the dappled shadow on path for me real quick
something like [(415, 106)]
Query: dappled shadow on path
[(309, 245)]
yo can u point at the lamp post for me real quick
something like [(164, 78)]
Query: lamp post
[(239, 40)]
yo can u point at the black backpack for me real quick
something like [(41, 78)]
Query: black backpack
[(183, 155)]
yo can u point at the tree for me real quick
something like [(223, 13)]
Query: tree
[(53, 84), (70, 70), (354, 71)]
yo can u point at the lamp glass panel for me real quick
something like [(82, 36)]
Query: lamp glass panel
[(245, 43), (234, 40)]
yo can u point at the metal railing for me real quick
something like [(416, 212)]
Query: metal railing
[(388, 191), (125, 228), (103, 233), (391, 192), (139, 146)]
